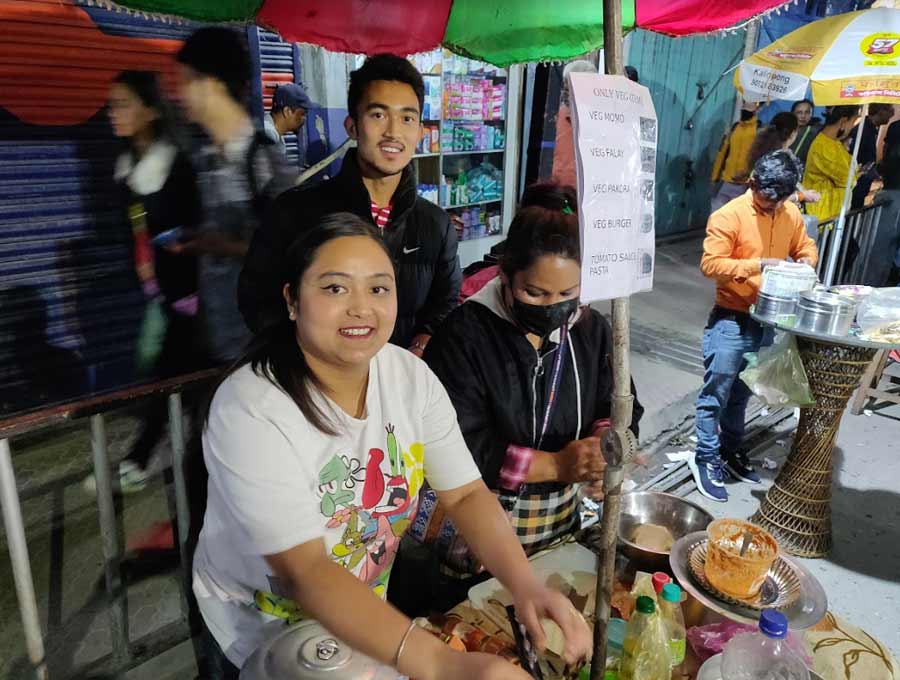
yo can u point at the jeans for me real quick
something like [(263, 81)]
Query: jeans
[(722, 403)]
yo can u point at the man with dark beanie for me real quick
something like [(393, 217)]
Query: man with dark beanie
[(240, 173)]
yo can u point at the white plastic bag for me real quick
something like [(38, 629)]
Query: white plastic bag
[(777, 375), (880, 309)]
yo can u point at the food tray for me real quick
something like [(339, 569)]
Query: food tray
[(780, 589)]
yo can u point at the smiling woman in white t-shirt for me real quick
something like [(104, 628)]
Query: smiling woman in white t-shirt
[(317, 445)]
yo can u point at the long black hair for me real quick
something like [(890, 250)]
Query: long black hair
[(145, 86), (274, 353)]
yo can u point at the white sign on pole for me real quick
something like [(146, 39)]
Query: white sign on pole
[(615, 128)]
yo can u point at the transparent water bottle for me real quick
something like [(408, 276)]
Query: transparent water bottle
[(646, 654), (670, 610), (763, 655)]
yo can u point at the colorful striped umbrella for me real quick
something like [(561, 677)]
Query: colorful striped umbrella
[(500, 32)]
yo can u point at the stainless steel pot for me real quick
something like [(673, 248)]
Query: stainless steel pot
[(825, 313), (679, 516), (776, 307), (309, 652)]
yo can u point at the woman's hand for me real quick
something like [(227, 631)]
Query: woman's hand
[(580, 461), (537, 602), (476, 666)]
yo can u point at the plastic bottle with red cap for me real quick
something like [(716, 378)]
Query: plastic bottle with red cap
[(660, 579)]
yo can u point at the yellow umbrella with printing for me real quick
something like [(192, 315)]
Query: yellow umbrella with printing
[(851, 58)]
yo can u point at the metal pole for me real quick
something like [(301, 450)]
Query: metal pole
[(118, 618), (622, 399), (750, 41), (845, 206), (182, 508), (21, 565)]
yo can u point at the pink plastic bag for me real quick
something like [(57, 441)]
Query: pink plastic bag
[(707, 641)]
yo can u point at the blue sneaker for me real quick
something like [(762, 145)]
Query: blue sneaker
[(737, 464), (710, 479)]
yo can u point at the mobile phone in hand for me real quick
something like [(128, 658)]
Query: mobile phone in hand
[(168, 238)]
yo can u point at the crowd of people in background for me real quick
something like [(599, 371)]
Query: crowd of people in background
[(767, 175), (824, 148)]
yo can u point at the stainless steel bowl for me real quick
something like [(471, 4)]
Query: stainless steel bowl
[(826, 313), (776, 307), (676, 514)]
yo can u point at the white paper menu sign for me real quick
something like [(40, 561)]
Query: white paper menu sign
[(615, 128)]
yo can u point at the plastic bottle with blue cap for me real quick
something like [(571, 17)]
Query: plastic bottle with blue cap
[(763, 655), (670, 610)]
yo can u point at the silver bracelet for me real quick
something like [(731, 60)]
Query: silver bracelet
[(412, 626)]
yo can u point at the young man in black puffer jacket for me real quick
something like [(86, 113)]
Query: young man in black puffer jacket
[(376, 182)]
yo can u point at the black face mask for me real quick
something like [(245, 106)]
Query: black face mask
[(542, 320)]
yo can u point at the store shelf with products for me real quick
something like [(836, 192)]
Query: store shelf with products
[(468, 139), (473, 152), (469, 205)]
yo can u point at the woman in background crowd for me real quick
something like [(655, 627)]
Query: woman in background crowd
[(808, 128), (828, 163), (160, 200)]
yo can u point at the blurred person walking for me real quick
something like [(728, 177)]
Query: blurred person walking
[(158, 190), (241, 173)]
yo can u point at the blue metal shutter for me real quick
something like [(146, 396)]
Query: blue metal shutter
[(70, 308)]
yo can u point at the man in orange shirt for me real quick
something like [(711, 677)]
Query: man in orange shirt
[(756, 230)]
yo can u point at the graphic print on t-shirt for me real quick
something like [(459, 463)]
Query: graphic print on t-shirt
[(373, 503)]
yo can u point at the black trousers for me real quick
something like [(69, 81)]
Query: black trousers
[(179, 355)]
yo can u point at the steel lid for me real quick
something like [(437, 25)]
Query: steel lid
[(820, 300), (322, 652), (308, 651)]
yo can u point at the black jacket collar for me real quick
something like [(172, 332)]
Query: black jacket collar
[(351, 183)]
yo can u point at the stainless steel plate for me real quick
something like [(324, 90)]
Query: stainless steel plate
[(807, 610), (780, 589)]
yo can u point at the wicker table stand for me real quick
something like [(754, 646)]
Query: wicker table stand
[(797, 508)]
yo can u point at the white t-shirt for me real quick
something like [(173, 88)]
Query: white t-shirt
[(276, 482)]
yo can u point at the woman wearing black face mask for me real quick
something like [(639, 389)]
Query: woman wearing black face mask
[(529, 374)]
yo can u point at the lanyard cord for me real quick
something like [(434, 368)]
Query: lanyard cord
[(555, 380)]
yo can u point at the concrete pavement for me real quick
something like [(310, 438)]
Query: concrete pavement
[(861, 575), (666, 331)]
